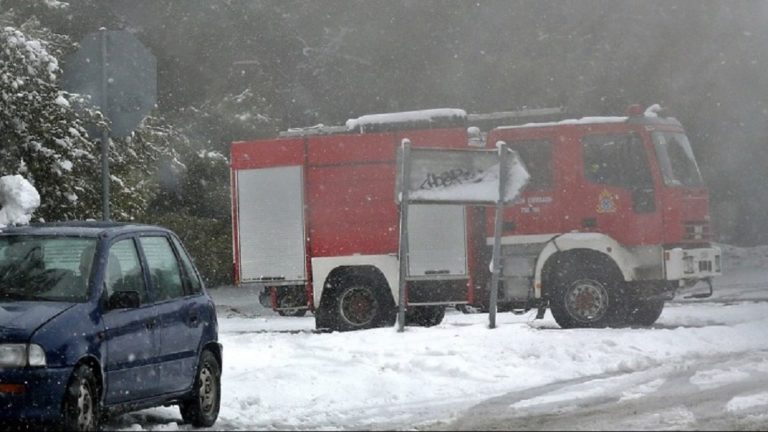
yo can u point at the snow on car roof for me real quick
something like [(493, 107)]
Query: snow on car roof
[(79, 228)]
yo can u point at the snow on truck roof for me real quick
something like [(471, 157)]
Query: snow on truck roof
[(429, 115), (453, 117), (579, 121), (426, 119)]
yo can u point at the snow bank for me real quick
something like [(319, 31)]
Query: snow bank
[(294, 379), (19, 199), (280, 375)]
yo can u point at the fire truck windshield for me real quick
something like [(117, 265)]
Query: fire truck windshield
[(676, 159)]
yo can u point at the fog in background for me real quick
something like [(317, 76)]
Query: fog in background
[(245, 69)]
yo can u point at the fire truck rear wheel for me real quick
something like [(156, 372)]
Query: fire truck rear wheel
[(292, 312), (425, 316), (361, 304), (585, 296), (645, 312)]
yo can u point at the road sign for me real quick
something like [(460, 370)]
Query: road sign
[(120, 76), (118, 73), (463, 176)]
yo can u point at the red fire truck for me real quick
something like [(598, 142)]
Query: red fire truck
[(613, 222)]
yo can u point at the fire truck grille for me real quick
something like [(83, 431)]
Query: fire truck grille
[(697, 231)]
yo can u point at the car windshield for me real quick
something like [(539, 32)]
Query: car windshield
[(45, 268), (676, 159)]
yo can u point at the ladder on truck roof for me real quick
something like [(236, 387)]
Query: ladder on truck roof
[(450, 118)]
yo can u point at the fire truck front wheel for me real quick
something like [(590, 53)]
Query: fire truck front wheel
[(585, 296), (359, 303), (645, 312)]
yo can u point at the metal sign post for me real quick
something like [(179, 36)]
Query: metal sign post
[(405, 173), (496, 259), (105, 131), (120, 76)]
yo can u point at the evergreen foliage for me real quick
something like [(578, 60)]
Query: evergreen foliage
[(41, 136)]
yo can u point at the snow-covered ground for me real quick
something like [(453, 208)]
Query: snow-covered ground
[(703, 365)]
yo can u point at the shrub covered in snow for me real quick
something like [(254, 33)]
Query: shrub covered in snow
[(41, 137)]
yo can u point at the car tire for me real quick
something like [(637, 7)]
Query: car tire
[(81, 408), (202, 408)]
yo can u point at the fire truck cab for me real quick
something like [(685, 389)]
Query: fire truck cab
[(614, 220)]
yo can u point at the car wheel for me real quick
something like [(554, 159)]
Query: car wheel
[(202, 408), (585, 296), (81, 401)]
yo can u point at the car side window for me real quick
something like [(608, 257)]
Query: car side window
[(163, 268), (124, 270), (192, 281)]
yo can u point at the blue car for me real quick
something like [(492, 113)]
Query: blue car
[(100, 318)]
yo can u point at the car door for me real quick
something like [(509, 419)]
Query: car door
[(132, 357), (178, 347)]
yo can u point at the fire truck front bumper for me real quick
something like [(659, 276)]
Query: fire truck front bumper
[(692, 264)]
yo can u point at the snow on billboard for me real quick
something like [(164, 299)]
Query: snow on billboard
[(466, 176)]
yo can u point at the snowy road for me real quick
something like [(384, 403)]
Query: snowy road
[(717, 393), (704, 365)]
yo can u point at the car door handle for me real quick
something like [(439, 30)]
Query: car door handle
[(193, 320), (151, 324)]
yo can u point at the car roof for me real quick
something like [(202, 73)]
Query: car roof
[(80, 229)]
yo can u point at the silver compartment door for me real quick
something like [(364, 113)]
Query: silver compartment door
[(271, 225), (437, 242)]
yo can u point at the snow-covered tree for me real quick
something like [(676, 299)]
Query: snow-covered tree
[(41, 136), (42, 128)]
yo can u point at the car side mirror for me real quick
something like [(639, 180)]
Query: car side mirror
[(124, 300)]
